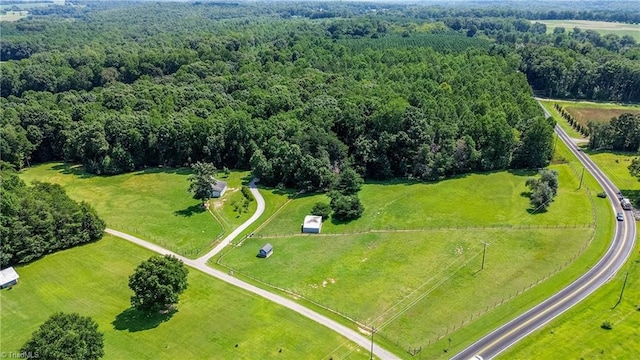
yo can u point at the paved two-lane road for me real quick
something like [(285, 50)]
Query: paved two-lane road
[(616, 255)]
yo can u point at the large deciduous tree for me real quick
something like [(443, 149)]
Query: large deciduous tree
[(201, 180), (157, 283), (543, 190), (68, 337)]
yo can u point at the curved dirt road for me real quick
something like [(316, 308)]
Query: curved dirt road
[(201, 264)]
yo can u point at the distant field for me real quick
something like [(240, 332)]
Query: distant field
[(586, 112), (212, 316), (13, 15), (602, 27), (406, 282), (153, 204), (25, 5)]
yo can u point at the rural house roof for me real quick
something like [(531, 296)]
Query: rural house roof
[(219, 185), (8, 275)]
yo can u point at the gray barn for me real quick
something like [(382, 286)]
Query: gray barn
[(265, 251)]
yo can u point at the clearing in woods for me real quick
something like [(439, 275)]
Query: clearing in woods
[(602, 27)]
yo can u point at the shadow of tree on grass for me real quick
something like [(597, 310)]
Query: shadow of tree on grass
[(134, 320), (190, 211)]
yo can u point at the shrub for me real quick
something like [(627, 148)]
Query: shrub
[(606, 325), (346, 207), (247, 193), (321, 209)]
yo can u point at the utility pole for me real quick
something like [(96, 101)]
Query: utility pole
[(484, 251), (622, 291), (373, 331), (581, 177)]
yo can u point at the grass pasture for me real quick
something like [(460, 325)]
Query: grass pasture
[(416, 253), (577, 334), (453, 203), (212, 316), (153, 204), (406, 283), (602, 27)]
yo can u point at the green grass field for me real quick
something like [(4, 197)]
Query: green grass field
[(451, 203), (616, 166), (153, 204), (212, 316), (406, 282), (577, 334), (601, 27)]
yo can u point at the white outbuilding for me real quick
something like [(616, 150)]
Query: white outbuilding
[(218, 189), (8, 277), (312, 224)]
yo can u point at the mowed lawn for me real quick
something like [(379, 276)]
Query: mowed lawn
[(229, 209), (153, 204), (495, 199), (212, 316), (616, 166), (407, 283)]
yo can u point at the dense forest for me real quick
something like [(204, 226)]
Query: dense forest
[(568, 63), (295, 99), (41, 219)]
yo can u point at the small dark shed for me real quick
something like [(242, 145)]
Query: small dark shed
[(265, 251)]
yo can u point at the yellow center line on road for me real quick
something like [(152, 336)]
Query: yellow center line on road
[(561, 302), (571, 295)]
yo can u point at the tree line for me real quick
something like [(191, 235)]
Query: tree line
[(566, 63), (575, 124), (622, 133)]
